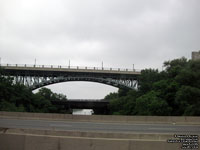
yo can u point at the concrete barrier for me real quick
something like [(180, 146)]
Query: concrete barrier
[(29, 141), (106, 118), (89, 134)]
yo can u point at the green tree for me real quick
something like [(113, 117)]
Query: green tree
[(146, 80), (188, 99), (124, 105), (174, 91), (151, 104), (111, 96), (174, 67)]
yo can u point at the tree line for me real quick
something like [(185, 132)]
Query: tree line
[(175, 91)]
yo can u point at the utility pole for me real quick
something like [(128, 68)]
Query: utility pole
[(69, 64), (0, 61), (133, 68), (35, 62), (102, 65)]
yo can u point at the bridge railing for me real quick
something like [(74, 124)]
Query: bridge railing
[(71, 67)]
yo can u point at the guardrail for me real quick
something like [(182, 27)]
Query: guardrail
[(70, 67)]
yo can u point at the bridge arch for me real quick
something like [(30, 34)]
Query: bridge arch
[(124, 84)]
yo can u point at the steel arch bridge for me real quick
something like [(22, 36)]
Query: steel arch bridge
[(36, 76)]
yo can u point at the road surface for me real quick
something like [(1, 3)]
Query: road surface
[(99, 127)]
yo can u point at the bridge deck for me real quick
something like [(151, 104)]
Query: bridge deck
[(82, 103), (71, 69)]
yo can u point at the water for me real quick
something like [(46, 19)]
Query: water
[(82, 112)]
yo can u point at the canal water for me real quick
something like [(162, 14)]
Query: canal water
[(82, 112)]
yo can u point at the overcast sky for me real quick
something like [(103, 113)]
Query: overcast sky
[(118, 32)]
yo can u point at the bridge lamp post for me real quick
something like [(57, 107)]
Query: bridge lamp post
[(35, 62), (69, 64)]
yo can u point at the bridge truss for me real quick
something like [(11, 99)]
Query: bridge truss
[(34, 82)]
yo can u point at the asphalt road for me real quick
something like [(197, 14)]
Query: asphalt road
[(100, 127)]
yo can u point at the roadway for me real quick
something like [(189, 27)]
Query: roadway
[(99, 127)]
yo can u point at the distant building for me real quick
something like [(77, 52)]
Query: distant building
[(196, 55)]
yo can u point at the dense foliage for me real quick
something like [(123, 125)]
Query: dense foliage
[(16, 97), (174, 91)]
